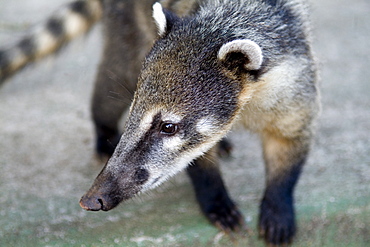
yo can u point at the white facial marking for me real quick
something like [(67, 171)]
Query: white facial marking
[(248, 47), (159, 18), (159, 174), (171, 117), (205, 126), (172, 143), (146, 121)]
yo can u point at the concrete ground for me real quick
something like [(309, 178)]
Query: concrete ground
[(47, 159)]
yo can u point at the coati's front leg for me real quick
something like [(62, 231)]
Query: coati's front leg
[(212, 195), (284, 159)]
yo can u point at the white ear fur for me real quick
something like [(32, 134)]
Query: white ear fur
[(248, 47), (159, 18)]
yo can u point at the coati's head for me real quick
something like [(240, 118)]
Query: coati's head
[(188, 96)]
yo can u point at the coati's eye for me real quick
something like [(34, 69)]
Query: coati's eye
[(168, 128)]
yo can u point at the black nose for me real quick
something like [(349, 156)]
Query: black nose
[(106, 193), (92, 203), (95, 201)]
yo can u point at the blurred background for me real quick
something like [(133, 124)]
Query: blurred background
[(47, 156)]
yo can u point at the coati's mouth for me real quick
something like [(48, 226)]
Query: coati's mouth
[(156, 180), (103, 199), (109, 190), (96, 207), (97, 203), (91, 205), (101, 203)]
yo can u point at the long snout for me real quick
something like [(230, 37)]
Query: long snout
[(103, 194), (108, 189)]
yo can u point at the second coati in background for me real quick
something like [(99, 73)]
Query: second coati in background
[(214, 63)]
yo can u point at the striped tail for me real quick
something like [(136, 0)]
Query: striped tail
[(65, 24)]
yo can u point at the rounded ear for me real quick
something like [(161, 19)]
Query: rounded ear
[(249, 54), (163, 19), (159, 18)]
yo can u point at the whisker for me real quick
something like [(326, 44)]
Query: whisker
[(119, 97), (115, 78), (212, 159)]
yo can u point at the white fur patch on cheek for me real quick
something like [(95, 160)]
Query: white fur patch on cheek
[(159, 174), (206, 126), (172, 143), (159, 18)]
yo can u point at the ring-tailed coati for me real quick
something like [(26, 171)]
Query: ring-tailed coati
[(213, 63)]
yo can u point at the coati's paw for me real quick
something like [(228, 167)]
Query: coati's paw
[(276, 223), (224, 148), (226, 216)]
